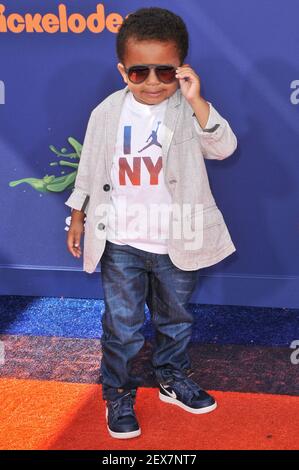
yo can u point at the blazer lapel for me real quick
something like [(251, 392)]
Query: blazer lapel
[(170, 119), (112, 121)]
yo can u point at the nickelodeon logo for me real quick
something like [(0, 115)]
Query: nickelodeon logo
[(61, 22)]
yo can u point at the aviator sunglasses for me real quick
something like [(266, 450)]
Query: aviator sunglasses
[(139, 73)]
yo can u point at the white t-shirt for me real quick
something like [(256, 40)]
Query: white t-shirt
[(140, 199)]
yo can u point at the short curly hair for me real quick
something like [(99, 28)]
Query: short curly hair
[(153, 24)]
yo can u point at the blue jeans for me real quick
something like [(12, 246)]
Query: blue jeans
[(131, 277)]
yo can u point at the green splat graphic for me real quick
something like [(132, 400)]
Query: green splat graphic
[(52, 183)]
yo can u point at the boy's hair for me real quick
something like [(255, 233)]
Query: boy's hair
[(153, 24)]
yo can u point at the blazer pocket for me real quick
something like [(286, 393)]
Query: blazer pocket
[(206, 218), (212, 216), (183, 135)]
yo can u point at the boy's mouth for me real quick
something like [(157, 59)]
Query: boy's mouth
[(153, 93)]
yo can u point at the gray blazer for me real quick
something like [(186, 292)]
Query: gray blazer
[(184, 148)]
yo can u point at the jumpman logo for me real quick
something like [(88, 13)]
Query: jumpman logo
[(154, 137)]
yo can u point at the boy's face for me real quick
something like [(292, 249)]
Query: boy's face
[(151, 91)]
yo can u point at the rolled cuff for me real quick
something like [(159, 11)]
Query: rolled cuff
[(78, 200), (214, 122)]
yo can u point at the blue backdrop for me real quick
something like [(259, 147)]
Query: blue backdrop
[(246, 54)]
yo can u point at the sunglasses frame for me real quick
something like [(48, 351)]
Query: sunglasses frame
[(150, 67)]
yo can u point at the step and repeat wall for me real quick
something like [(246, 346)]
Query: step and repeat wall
[(58, 61)]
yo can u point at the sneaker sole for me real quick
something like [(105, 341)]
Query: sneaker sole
[(195, 411), (122, 435)]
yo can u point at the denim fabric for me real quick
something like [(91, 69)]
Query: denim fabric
[(131, 277)]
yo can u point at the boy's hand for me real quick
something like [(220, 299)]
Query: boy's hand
[(74, 235), (191, 87)]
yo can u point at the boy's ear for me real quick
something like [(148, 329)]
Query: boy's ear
[(121, 70)]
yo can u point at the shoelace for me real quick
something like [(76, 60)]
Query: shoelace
[(123, 406), (185, 386)]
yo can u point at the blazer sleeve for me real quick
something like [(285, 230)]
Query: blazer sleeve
[(217, 139), (79, 197)]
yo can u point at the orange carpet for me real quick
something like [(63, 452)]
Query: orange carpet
[(58, 415)]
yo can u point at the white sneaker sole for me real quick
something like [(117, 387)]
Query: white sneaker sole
[(200, 411), (122, 435)]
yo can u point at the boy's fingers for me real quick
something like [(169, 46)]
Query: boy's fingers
[(73, 244), (76, 247), (77, 241)]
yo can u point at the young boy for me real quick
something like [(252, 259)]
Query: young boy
[(144, 151)]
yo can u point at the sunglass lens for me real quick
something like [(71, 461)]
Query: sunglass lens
[(166, 74), (138, 74)]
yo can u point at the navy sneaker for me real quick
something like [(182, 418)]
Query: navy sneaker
[(121, 419), (186, 394)]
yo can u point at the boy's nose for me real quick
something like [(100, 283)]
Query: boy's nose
[(152, 78)]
